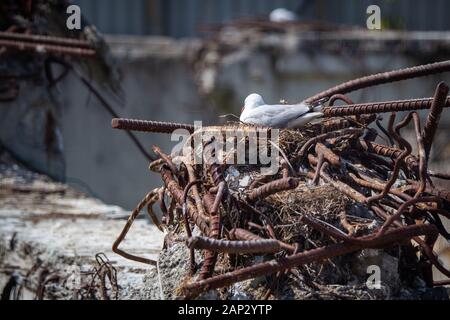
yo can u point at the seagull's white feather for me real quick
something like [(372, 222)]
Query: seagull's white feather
[(277, 116), (306, 118)]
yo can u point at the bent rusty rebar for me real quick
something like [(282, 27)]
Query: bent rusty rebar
[(115, 248), (177, 193), (398, 161), (381, 78), (314, 255), (432, 122), (422, 156)]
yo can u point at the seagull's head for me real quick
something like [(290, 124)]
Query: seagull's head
[(252, 101)]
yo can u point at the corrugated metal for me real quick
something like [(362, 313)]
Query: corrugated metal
[(181, 18)]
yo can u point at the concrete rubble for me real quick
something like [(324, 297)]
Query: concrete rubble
[(50, 233)]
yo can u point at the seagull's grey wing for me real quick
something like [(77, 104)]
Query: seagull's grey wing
[(275, 116)]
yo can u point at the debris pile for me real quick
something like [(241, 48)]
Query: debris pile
[(340, 203)]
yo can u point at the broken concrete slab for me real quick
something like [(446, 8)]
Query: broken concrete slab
[(49, 232)]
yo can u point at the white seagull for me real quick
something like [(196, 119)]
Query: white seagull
[(257, 112)]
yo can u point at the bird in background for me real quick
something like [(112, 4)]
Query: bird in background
[(257, 112)]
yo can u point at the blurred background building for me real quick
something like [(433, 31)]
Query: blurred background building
[(181, 18)]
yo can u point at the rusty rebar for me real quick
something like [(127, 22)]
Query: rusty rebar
[(115, 248), (328, 135), (215, 229), (167, 159), (381, 107), (238, 247), (216, 172), (48, 48), (382, 78), (187, 227), (432, 122), (329, 125), (398, 161), (243, 234), (196, 192), (402, 209), (328, 154), (439, 175), (302, 258), (319, 165), (167, 214), (440, 193), (341, 186), (339, 96), (177, 193), (378, 186), (44, 39), (272, 187), (153, 216), (411, 161), (422, 156), (246, 235), (149, 126)]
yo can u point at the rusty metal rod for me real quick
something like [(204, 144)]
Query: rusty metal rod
[(272, 188), (432, 122), (302, 258), (382, 78), (423, 162), (48, 48), (390, 152), (149, 126), (381, 107), (239, 247), (115, 248), (242, 234), (398, 161), (178, 194), (325, 136), (45, 39)]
